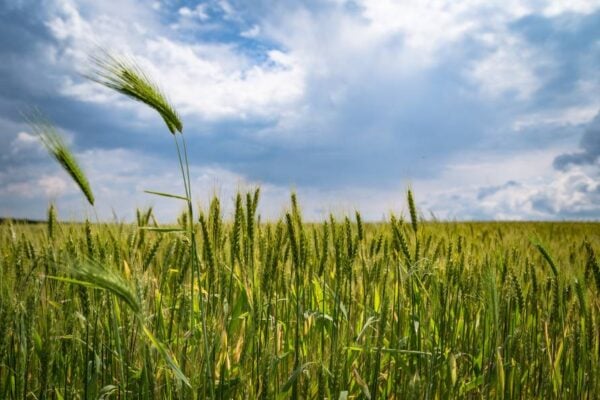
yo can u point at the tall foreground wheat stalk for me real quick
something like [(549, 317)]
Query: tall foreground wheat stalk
[(125, 77)]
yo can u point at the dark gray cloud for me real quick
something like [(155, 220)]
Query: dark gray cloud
[(491, 190), (590, 148), (571, 40), (377, 134)]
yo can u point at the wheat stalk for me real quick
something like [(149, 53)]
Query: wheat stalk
[(57, 148), (126, 77)]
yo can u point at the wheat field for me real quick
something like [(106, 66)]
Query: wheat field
[(288, 309)]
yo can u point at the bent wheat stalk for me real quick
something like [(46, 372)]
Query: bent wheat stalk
[(57, 148), (92, 274), (126, 77)]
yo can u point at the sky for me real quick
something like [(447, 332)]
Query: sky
[(486, 109)]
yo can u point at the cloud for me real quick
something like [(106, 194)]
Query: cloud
[(590, 148), (252, 32), (486, 192), (24, 142), (52, 186), (200, 12), (576, 115), (37, 185), (510, 68), (209, 80), (345, 101), (570, 194), (522, 186), (213, 82), (575, 6)]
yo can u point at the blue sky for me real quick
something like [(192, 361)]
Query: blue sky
[(487, 109)]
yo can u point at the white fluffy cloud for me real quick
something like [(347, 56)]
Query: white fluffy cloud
[(524, 186), (572, 193), (200, 12), (209, 80), (510, 68), (215, 82)]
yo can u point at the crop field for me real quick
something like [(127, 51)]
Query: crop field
[(339, 309), (228, 306)]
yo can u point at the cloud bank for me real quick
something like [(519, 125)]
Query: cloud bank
[(488, 109)]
